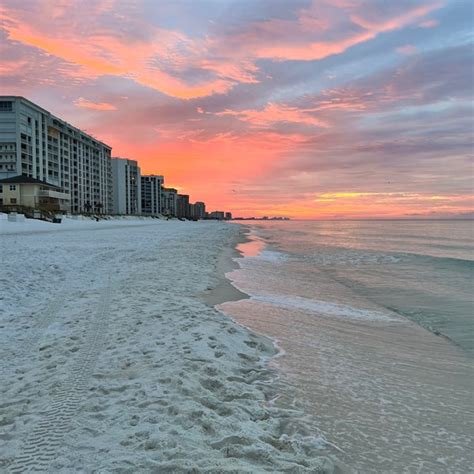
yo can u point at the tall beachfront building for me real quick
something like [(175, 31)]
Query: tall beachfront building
[(199, 210), (127, 195), (151, 194), (182, 206), (169, 200), (35, 143)]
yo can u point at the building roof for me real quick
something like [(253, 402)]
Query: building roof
[(149, 176), (22, 179), (53, 117), (128, 160)]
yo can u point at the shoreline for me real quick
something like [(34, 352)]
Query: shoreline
[(295, 432), (224, 291), (338, 368)]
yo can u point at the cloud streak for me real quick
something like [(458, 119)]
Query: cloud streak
[(86, 104)]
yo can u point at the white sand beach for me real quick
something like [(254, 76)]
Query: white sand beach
[(114, 360)]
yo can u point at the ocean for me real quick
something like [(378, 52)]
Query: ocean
[(374, 325)]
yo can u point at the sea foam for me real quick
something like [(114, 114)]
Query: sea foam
[(323, 308), (272, 256)]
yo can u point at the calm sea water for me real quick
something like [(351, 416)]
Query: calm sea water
[(375, 324)]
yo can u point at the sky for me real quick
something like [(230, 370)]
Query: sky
[(297, 108)]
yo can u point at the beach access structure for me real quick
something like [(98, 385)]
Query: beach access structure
[(37, 144)]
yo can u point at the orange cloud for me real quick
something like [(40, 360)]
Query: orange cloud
[(101, 54), (386, 204), (354, 205), (273, 113), (162, 58), (86, 104), (243, 71)]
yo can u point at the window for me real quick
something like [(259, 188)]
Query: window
[(12, 187), (1, 188), (6, 106), (13, 201)]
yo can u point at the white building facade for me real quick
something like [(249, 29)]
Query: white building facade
[(126, 178), (35, 143), (169, 200), (151, 187)]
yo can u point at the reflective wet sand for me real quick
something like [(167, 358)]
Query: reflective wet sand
[(388, 395)]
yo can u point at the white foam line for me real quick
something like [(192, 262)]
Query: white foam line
[(323, 307)]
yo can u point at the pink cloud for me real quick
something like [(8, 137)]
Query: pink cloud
[(243, 71), (161, 58), (407, 49), (429, 24), (283, 152), (305, 38), (86, 104), (102, 52), (273, 113)]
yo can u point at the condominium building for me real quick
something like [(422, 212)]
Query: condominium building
[(151, 194), (126, 178), (169, 200), (198, 210), (182, 206), (219, 215), (37, 144)]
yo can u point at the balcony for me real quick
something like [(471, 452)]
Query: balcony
[(54, 194)]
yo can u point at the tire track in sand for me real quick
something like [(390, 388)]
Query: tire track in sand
[(40, 447), (45, 318)]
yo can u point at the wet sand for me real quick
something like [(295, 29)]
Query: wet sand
[(223, 290), (387, 394)]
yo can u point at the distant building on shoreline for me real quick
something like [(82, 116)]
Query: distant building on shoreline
[(182, 207), (37, 144), (169, 201), (151, 189), (218, 215), (127, 196), (199, 210)]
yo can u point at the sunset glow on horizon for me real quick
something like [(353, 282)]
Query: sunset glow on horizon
[(297, 108)]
